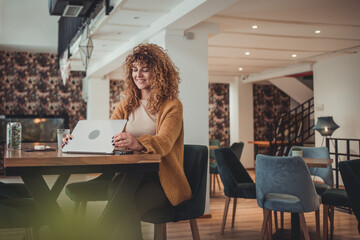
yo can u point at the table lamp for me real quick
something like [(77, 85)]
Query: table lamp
[(325, 126)]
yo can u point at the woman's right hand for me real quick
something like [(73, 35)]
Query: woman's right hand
[(66, 139)]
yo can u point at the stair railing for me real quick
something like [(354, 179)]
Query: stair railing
[(292, 128)]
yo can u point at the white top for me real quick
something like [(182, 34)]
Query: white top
[(141, 122)]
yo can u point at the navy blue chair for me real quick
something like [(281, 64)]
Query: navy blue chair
[(92, 190), (284, 184), (195, 167), (237, 148), (237, 182), (350, 173), (214, 173), (326, 174)]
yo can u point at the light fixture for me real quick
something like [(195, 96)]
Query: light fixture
[(325, 126), (294, 55), (254, 27), (240, 68), (317, 31), (247, 53), (86, 47)]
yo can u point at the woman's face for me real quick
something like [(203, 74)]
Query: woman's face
[(142, 76)]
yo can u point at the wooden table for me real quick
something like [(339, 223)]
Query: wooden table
[(318, 162), (31, 166), (212, 147)]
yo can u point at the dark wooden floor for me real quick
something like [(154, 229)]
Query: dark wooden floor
[(247, 223)]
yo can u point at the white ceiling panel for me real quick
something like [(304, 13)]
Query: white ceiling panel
[(117, 32), (153, 5), (232, 52), (247, 62), (310, 11), (134, 17), (269, 27), (290, 43)]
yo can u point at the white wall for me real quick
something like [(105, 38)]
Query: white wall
[(337, 88), (96, 92), (241, 115)]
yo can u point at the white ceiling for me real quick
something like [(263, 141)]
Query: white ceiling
[(285, 27)]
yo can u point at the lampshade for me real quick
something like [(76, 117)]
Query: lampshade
[(325, 126), (86, 47)]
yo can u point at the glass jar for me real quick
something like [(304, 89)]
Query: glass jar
[(13, 135)]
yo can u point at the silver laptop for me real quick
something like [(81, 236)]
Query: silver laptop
[(94, 136)]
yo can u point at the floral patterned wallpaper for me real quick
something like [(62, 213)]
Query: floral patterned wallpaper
[(30, 84), (219, 119), (269, 103), (116, 88)]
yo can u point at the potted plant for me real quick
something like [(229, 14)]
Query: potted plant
[(296, 152)]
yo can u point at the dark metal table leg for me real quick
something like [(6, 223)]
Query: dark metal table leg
[(117, 204), (46, 202)]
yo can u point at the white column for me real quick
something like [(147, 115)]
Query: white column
[(189, 52), (96, 91)]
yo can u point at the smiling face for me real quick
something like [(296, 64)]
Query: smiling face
[(142, 78)]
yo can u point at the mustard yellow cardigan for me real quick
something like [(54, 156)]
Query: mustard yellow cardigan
[(169, 142)]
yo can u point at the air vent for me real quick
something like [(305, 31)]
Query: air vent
[(72, 10)]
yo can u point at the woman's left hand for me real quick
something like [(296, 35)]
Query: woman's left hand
[(126, 140)]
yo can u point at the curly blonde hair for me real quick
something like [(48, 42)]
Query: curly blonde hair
[(165, 77)]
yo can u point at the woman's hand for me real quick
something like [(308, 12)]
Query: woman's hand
[(66, 139), (126, 140)]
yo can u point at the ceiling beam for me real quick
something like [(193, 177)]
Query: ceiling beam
[(276, 73)]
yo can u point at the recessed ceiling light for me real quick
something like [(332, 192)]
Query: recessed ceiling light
[(317, 31), (240, 68), (247, 53), (254, 27), (294, 55)]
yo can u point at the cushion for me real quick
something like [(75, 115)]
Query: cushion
[(283, 202), (88, 191), (321, 187), (336, 197)]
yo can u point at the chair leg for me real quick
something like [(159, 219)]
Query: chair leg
[(267, 214), (332, 213), (226, 208), (194, 229), (76, 208), (218, 181), (325, 221), (282, 220), (82, 210), (303, 226), (213, 184), (270, 227), (276, 221), (210, 178), (28, 235), (317, 223), (234, 212), (160, 231), (35, 233)]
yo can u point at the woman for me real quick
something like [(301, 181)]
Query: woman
[(155, 125)]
